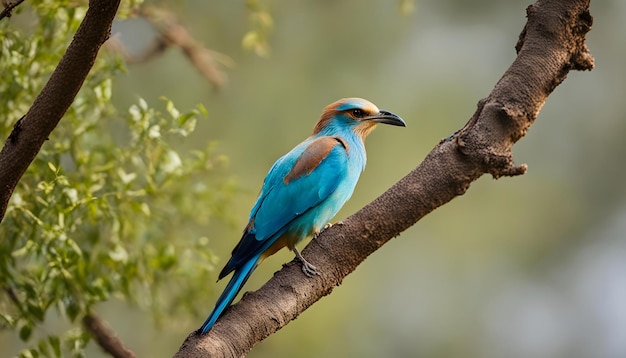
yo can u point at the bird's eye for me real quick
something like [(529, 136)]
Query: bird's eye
[(358, 113)]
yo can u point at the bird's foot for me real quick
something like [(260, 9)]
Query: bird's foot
[(307, 268)]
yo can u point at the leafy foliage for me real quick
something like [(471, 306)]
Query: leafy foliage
[(109, 207), (261, 26)]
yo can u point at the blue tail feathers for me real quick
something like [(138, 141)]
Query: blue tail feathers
[(235, 284)]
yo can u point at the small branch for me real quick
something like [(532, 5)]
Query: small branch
[(31, 131), (551, 44), (106, 338), (203, 59), (12, 295), (172, 33), (8, 8)]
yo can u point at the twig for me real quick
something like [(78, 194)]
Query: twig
[(172, 33), (106, 338)]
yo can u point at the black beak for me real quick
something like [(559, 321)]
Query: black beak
[(387, 118)]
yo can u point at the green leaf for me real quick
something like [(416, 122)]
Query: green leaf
[(250, 40), (8, 319), (29, 353), (74, 247), (55, 344), (34, 308), (28, 247), (119, 254), (184, 117), (42, 346), (143, 104), (72, 310), (126, 178), (71, 194), (169, 107), (135, 112), (202, 109), (154, 132), (25, 332)]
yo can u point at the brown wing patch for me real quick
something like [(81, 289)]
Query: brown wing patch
[(312, 157)]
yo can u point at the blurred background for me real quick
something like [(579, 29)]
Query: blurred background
[(532, 266)]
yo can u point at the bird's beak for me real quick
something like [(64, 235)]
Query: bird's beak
[(387, 118)]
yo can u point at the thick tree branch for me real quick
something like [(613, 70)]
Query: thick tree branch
[(551, 44), (32, 130)]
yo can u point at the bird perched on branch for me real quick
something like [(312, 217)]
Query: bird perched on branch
[(303, 190)]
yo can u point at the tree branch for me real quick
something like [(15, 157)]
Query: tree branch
[(8, 8), (172, 33), (106, 338), (551, 44), (32, 130)]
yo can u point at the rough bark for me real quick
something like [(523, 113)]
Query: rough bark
[(551, 44), (33, 129)]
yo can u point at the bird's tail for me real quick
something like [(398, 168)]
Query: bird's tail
[(235, 284)]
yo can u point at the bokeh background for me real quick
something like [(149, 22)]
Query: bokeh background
[(532, 266)]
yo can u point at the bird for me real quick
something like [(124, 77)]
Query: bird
[(302, 191)]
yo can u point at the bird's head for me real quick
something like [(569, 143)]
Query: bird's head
[(358, 114)]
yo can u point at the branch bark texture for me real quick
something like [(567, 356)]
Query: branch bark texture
[(551, 44), (33, 129)]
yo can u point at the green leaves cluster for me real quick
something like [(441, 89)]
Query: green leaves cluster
[(108, 207), (261, 26)]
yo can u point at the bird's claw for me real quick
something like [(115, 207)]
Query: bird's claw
[(307, 268)]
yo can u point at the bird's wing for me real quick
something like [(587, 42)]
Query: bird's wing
[(295, 186), (297, 182)]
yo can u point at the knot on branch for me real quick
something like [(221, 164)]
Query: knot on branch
[(581, 59), (488, 137)]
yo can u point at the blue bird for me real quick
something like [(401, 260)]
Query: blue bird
[(302, 191)]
